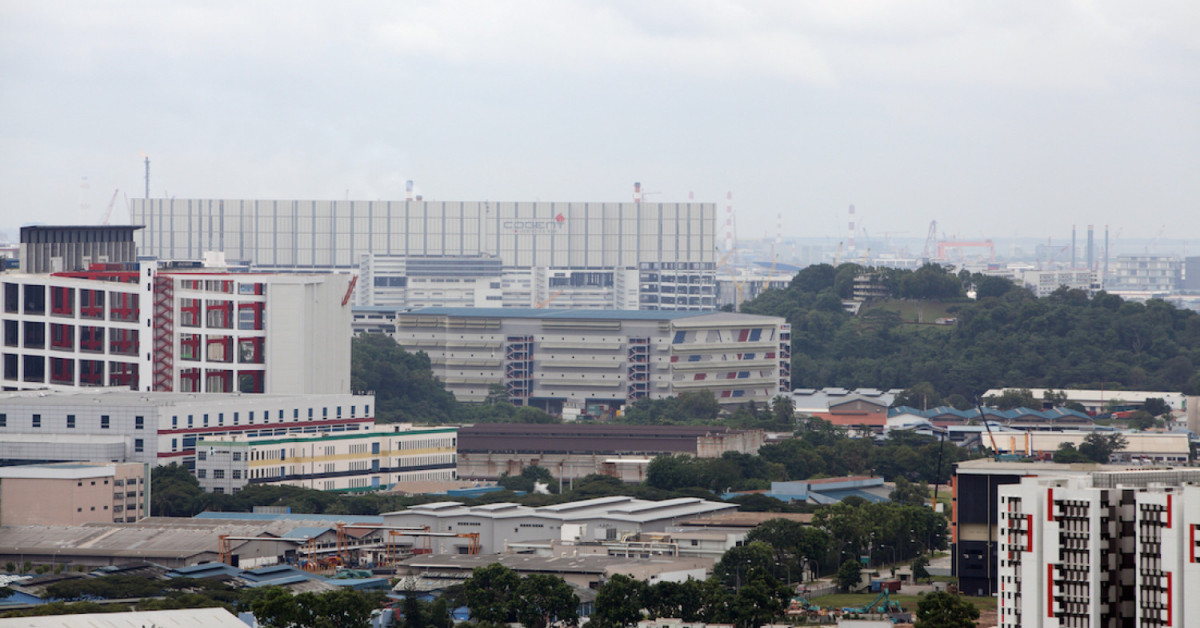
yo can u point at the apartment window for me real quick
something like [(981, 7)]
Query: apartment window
[(367, 410), (237, 456), (3, 420), (252, 417), (218, 474), (139, 422), (325, 413), (174, 444), (139, 445), (202, 473), (70, 421), (201, 455), (206, 420), (281, 414), (295, 413), (37, 420), (237, 474), (235, 418), (353, 409), (310, 413), (220, 418), (103, 421)]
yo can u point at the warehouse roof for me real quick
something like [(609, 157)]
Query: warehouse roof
[(183, 618)]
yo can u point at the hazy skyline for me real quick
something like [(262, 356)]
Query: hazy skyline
[(995, 118)]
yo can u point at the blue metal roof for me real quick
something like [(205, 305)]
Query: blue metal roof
[(528, 312), (991, 413)]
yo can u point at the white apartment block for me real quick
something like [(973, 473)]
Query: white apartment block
[(160, 428), (580, 255), (1109, 549), (1043, 283), (548, 358), (370, 459), (200, 330)]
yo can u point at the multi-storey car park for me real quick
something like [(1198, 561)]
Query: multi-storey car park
[(595, 255), (553, 358)]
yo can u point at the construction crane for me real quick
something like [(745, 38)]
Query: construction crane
[(930, 240), (837, 257), (111, 203)]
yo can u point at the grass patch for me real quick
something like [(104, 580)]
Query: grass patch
[(907, 602)]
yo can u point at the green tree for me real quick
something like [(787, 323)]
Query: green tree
[(700, 404), (174, 491), (683, 600), (1142, 420), (849, 575), (619, 602), (746, 563), (542, 599), (783, 408), (908, 494), (793, 544), (759, 602), (919, 396), (943, 610), (919, 570), (1100, 447), (1067, 454), (1010, 399), (1156, 406), (489, 592)]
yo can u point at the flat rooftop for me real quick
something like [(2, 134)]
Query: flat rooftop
[(535, 313)]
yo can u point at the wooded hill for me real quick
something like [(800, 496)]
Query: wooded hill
[(1007, 337)]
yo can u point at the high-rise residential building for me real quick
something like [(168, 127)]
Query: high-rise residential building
[(551, 358), (591, 255), (1106, 549), (139, 326)]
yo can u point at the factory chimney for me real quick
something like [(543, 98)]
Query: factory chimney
[(1072, 247), (637, 192), (1091, 249), (408, 190)]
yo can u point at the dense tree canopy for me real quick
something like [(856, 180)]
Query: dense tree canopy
[(1006, 338)]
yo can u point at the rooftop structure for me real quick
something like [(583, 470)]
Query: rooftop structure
[(182, 618), (585, 571), (602, 360), (53, 249)]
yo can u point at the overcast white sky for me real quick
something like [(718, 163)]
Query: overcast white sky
[(994, 118)]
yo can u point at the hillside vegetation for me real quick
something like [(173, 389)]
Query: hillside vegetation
[(1006, 338)]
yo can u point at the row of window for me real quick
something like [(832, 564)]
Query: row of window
[(266, 416), (35, 421)]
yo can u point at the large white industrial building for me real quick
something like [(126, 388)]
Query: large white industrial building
[(160, 428), (594, 255), (571, 358)]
